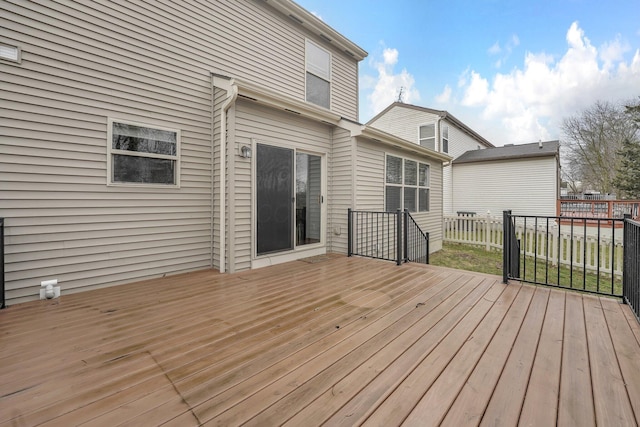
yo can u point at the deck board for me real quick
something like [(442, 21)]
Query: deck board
[(345, 341)]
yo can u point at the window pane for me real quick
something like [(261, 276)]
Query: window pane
[(445, 139), (394, 170), (410, 172), (427, 131), (143, 170), (392, 198), (318, 91), (424, 199), (424, 175), (410, 199), (143, 139), (318, 61)]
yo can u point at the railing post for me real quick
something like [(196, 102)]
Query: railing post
[(506, 245), (405, 235), (349, 233), (427, 255), (399, 237), (626, 257)]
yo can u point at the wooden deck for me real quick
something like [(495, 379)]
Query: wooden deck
[(334, 340)]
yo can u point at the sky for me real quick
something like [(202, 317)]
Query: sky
[(512, 70)]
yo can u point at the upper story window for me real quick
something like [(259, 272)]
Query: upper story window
[(407, 185), (318, 75), (445, 138), (428, 136), (143, 154)]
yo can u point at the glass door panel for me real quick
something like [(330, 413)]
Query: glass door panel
[(308, 199), (274, 199)]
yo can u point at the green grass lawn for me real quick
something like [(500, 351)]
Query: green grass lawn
[(475, 258)]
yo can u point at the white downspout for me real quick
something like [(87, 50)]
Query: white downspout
[(232, 94)]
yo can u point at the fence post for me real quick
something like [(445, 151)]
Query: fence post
[(399, 237), (506, 245), (349, 233), (487, 237)]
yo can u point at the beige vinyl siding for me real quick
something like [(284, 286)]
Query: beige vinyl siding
[(370, 184), (404, 123), (147, 62), (340, 189), (528, 187), (259, 124)]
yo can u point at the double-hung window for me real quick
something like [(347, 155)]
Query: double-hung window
[(406, 185), (428, 136), (143, 154), (445, 138), (318, 78)]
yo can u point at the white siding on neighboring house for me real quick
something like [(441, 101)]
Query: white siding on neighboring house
[(459, 143), (145, 62), (370, 186), (527, 187)]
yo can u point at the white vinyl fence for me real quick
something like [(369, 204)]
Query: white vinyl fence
[(581, 247)]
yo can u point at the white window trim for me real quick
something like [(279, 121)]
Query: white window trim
[(435, 134), (325, 78), (111, 151), (442, 138), (403, 185), (298, 251)]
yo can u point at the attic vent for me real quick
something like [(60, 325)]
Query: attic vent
[(295, 18), (9, 53), (349, 53), (325, 38), (247, 97), (292, 111)]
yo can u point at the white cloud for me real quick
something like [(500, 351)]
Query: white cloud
[(505, 51), (317, 15), (385, 86), (445, 96), (530, 102)]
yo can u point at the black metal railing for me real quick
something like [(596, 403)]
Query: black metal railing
[(392, 236), (2, 300), (564, 252), (511, 248), (631, 269), (416, 241)]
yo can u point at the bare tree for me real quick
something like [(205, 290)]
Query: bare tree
[(592, 142)]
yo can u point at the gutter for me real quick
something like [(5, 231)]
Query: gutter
[(232, 94)]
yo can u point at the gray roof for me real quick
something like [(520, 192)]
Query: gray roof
[(511, 152)]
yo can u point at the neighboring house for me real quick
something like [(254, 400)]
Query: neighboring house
[(434, 129), (524, 178), (146, 139)]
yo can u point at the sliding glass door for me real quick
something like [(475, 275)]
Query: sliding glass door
[(288, 212)]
